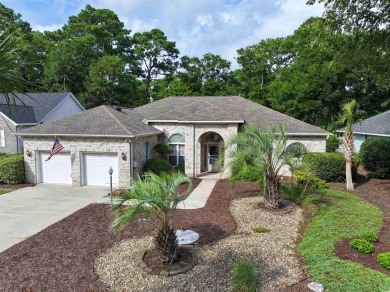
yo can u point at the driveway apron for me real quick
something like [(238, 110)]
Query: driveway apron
[(27, 211)]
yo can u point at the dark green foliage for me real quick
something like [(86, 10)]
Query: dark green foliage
[(181, 168), (375, 153), (332, 143), (362, 245), (12, 169), (158, 166), (308, 180), (383, 260), (244, 277), (245, 173), (163, 149), (369, 236), (329, 167), (260, 230)]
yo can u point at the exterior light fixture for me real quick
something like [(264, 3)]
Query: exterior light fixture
[(29, 153)]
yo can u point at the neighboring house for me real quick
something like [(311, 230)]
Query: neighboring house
[(29, 110), (376, 126), (103, 137)]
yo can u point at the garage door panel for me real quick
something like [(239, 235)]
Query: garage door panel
[(96, 167), (56, 170)]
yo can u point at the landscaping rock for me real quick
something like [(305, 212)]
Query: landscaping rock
[(316, 287)]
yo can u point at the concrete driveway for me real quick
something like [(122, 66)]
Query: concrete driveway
[(27, 211)]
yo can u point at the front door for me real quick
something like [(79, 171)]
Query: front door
[(213, 158)]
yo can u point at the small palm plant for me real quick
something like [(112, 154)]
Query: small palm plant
[(268, 152), (157, 196)]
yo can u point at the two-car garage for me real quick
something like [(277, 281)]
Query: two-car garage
[(94, 168)]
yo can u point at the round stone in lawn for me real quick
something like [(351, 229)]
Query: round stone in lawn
[(186, 236)]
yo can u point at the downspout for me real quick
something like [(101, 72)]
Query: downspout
[(193, 153), (131, 161)]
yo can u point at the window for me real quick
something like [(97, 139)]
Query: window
[(176, 142), (2, 138), (147, 155)]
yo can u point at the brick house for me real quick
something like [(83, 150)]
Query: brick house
[(195, 127)]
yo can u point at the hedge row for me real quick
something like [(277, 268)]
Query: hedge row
[(329, 167), (11, 169)]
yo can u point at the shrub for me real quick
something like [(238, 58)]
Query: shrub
[(12, 169), (307, 179), (245, 173), (181, 168), (260, 230), (375, 153), (362, 245), (163, 149), (329, 167), (369, 236), (158, 166), (332, 143), (383, 260), (244, 277)]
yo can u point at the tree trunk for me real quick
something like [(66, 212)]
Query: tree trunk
[(348, 152), (272, 193), (348, 175), (166, 243)]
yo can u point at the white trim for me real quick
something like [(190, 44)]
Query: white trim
[(195, 122), (84, 135), (27, 124), (363, 133), (74, 99), (15, 124)]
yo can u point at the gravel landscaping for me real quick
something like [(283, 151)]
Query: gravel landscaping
[(79, 254), (272, 252)]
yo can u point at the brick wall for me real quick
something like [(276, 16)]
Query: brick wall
[(11, 145)]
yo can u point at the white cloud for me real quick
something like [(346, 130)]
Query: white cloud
[(42, 28), (205, 20)]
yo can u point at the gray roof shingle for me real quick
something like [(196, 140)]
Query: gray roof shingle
[(222, 108), (38, 106), (376, 125), (99, 121)]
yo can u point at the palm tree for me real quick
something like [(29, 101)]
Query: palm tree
[(152, 195), (268, 152), (11, 65), (350, 115)]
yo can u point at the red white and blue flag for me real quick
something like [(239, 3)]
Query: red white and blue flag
[(57, 147)]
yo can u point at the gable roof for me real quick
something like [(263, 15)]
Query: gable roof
[(97, 122), (376, 125), (39, 105), (222, 109)]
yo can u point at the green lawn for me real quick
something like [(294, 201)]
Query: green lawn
[(338, 215), (2, 192)]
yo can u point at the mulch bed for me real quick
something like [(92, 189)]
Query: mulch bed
[(62, 256), (377, 192), (183, 187), (15, 187)]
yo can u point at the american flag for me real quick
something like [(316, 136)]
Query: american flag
[(57, 147)]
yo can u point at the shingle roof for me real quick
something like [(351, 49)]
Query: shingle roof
[(99, 121), (20, 114), (39, 105), (376, 125), (222, 108)]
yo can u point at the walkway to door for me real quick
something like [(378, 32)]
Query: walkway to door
[(199, 196)]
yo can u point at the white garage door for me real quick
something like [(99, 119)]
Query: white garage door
[(96, 167), (56, 170)]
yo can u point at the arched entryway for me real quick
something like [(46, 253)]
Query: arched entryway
[(211, 150)]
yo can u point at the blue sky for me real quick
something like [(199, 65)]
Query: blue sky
[(197, 26)]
